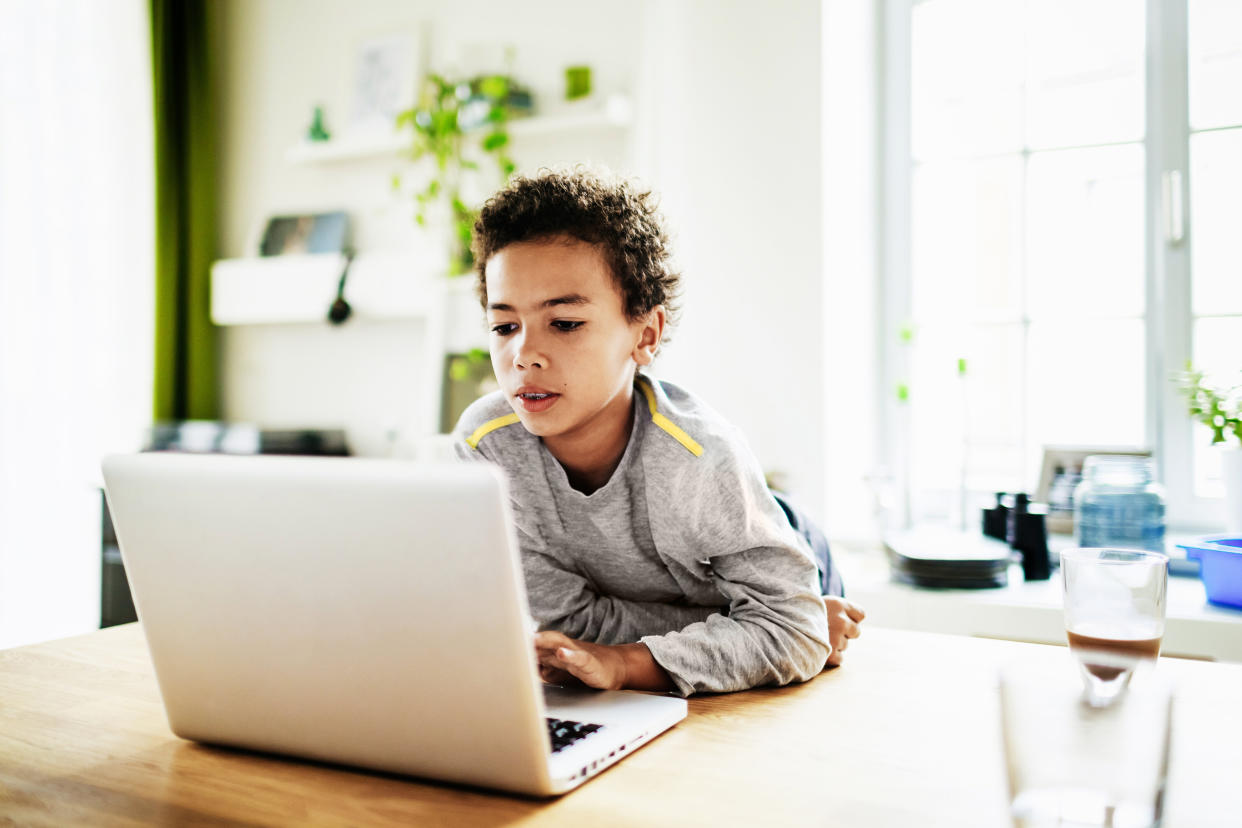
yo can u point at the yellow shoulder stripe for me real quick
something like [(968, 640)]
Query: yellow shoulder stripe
[(667, 424), (488, 427)]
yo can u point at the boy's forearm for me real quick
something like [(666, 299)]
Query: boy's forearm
[(607, 619), (641, 670)]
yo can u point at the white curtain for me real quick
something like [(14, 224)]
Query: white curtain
[(76, 293)]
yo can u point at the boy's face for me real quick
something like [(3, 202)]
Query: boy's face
[(562, 348)]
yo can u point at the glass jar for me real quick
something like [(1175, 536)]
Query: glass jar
[(1119, 503)]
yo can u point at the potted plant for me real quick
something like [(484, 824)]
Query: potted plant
[(1219, 407), (461, 127)]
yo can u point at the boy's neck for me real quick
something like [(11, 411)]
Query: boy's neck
[(590, 458)]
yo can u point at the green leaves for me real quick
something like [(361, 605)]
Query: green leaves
[(463, 366), (495, 87), (1217, 407), (454, 124), (494, 141)]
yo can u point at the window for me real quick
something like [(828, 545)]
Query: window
[(76, 286), (1060, 234), (1215, 147)]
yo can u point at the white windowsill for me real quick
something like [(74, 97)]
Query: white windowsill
[(1025, 611)]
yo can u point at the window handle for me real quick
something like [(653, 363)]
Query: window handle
[(1174, 215)]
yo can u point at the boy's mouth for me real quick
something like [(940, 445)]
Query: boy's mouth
[(536, 401)]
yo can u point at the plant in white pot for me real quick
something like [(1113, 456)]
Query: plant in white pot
[(1219, 407)]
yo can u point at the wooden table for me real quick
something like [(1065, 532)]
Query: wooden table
[(905, 734)]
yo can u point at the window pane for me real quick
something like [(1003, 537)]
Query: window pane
[(1216, 210), (1209, 471), (1086, 384), (966, 77), (1218, 349), (1085, 80), (1215, 52), (1027, 255), (1217, 352), (986, 401), (1085, 232), (966, 240)]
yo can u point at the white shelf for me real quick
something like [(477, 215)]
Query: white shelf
[(614, 113), (284, 289), (349, 148)]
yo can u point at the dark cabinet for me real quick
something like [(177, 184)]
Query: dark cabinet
[(116, 605)]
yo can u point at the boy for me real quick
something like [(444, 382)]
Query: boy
[(655, 557)]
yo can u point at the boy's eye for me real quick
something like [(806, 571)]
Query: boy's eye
[(504, 328), (567, 325)]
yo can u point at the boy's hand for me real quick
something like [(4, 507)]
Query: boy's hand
[(843, 620), (565, 660)]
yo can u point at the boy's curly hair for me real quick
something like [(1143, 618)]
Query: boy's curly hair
[(592, 206)]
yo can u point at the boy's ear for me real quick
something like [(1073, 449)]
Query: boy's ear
[(649, 335)]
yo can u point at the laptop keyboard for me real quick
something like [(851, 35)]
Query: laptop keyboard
[(564, 733)]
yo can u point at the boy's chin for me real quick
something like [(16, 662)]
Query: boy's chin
[(539, 425)]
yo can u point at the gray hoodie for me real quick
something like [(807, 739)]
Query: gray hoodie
[(683, 549)]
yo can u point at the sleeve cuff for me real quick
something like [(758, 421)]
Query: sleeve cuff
[(660, 651)]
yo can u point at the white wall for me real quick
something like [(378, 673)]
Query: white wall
[(278, 59), (728, 131), (851, 292), (733, 142)]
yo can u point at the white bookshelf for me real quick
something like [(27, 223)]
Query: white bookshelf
[(615, 112), (300, 288)]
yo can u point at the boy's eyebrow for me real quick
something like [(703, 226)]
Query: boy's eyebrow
[(568, 299)]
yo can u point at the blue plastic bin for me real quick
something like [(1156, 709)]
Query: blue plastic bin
[(1220, 567)]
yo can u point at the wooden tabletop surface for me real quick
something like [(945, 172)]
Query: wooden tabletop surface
[(906, 733)]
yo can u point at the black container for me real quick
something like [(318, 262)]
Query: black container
[(1021, 501), (1031, 540), (996, 519)]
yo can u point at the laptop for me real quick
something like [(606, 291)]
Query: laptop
[(360, 612)]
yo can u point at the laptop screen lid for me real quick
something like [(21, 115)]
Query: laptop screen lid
[(348, 610)]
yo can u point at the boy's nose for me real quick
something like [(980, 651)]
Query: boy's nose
[(528, 355)]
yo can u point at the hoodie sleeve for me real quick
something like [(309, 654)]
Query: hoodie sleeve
[(717, 513)]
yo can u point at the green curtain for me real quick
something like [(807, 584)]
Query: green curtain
[(185, 210)]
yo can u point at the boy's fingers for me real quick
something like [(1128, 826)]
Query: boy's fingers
[(851, 629), (854, 611), (549, 640), (553, 675), (580, 664), (548, 646)]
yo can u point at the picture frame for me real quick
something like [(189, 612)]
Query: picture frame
[(1053, 483), (285, 235), (385, 82)]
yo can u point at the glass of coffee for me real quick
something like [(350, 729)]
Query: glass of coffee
[(1114, 603)]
